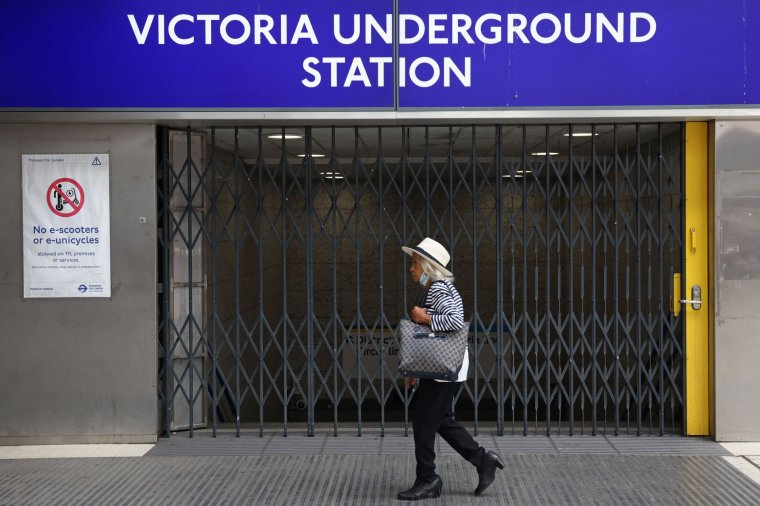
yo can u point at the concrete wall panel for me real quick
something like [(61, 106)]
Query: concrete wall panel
[(82, 370), (737, 267)]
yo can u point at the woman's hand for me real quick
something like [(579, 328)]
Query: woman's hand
[(420, 315), (409, 382)]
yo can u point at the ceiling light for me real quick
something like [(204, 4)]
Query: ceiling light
[(313, 155), (582, 134), (544, 153), (284, 137), (519, 173), (331, 175)]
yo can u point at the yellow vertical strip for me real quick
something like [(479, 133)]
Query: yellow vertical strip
[(676, 302), (711, 270), (697, 258)]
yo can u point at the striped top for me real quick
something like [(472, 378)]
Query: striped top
[(446, 310), (444, 305)]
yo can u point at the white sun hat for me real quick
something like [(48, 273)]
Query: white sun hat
[(433, 251)]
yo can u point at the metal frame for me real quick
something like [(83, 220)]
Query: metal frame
[(563, 261), (253, 118)]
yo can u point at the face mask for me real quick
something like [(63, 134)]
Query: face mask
[(424, 278)]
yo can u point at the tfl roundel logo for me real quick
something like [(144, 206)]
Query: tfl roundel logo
[(82, 288)]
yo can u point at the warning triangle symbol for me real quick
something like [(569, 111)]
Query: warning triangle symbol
[(96, 161)]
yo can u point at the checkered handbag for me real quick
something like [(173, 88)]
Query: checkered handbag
[(428, 354)]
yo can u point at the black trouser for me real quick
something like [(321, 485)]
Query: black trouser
[(433, 414)]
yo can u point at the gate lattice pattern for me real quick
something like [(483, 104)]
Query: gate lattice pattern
[(283, 275)]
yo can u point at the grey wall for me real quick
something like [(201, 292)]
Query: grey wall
[(82, 370), (737, 268)]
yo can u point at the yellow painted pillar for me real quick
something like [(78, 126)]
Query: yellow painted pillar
[(697, 263)]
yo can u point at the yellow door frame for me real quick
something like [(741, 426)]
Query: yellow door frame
[(697, 239)]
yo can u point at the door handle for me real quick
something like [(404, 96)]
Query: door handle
[(696, 298)]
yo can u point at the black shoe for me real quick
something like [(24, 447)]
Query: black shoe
[(422, 490), (487, 472)]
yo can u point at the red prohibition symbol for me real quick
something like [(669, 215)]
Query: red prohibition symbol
[(65, 197)]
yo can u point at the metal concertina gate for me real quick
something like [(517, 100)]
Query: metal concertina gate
[(283, 278)]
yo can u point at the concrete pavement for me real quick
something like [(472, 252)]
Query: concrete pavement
[(372, 469)]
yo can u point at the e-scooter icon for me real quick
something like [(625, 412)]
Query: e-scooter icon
[(70, 193)]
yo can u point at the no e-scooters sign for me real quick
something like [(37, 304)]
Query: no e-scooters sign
[(65, 197), (67, 244)]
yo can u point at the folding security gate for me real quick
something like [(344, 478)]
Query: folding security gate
[(283, 276)]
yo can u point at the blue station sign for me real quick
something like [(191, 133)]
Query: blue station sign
[(378, 54)]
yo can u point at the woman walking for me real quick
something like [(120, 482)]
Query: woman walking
[(442, 309)]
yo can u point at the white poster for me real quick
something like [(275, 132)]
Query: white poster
[(67, 236)]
